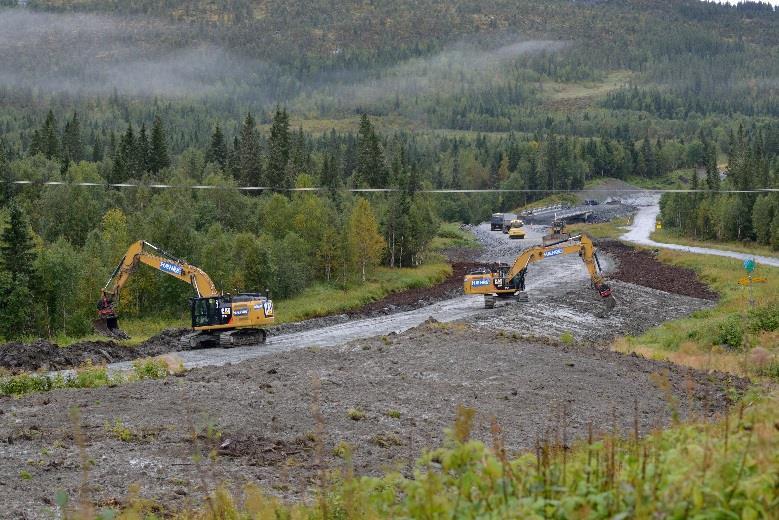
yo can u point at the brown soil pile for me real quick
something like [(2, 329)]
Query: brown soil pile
[(452, 286), (45, 355), (641, 267)]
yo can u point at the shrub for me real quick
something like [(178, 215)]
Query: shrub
[(355, 414), (24, 384), (764, 319), (150, 368), (119, 431), (730, 332)]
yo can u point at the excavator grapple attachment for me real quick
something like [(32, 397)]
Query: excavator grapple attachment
[(109, 327)]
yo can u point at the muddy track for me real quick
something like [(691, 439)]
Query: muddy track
[(43, 355)]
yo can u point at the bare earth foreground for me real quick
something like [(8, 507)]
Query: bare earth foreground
[(258, 414)]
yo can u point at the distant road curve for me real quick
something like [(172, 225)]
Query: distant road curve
[(644, 224)]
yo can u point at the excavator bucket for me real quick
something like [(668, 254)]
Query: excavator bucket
[(609, 303), (109, 327)]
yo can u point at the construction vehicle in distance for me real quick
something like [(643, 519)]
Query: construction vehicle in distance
[(557, 233), (496, 222), (217, 318), (508, 281), (516, 229)]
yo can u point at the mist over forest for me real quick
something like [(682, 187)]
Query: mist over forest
[(83, 54)]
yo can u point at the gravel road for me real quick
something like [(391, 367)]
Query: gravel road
[(644, 224)]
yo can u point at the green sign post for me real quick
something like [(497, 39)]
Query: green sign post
[(750, 265)]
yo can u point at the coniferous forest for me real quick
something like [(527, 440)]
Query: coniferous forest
[(523, 95)]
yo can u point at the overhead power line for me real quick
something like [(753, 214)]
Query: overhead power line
[(364, 190)]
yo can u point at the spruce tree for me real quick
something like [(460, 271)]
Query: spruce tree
[(142, 156), (159, 158), (72, 146), (5, 179), (49, 139), (127, 152), (17, 272), (36, 143), (370, 170), (299, 157), (217, 150), (17, 253), (249, 167), (328, 176), (277, 174), (97, 150), (712, 173)]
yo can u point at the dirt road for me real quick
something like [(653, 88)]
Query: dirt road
[(644, 224)]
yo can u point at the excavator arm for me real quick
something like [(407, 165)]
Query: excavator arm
[(503, 280), (142, 252)]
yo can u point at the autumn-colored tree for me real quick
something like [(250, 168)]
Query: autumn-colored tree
[(366, 245)]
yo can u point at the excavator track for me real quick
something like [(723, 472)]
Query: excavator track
[(242, 337), (227, 339)]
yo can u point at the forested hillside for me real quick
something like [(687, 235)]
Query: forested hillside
[(463, 95)]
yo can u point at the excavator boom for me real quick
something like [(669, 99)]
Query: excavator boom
[(503, 280)]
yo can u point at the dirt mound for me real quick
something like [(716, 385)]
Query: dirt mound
[(45, 355), (641, 267), (262, 451), (413, 298)]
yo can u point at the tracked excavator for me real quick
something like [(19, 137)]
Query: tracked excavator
[(508, 281), (217, 318)]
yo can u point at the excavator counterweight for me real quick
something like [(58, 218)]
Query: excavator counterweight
[(508, 281)]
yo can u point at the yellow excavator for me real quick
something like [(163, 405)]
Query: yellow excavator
[(504, 281), (217, 318)]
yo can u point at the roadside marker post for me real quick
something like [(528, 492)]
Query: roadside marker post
[(750, 265)]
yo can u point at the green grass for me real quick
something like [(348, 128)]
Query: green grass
[(613, 229), (730, 336), (322, 300), (670, 237), (556, 198), (451, 235), (139, 330), (86, 376)]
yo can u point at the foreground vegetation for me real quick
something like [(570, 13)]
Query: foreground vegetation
[(699, 469), (90, 376), (732, 336)]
